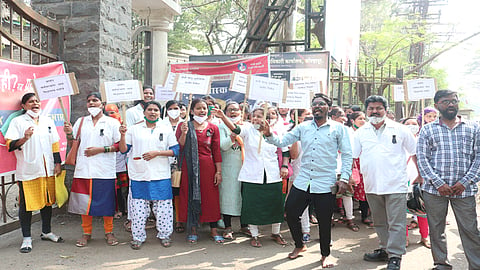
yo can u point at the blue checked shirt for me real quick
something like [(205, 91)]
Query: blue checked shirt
[(320, 145), (449, 156)]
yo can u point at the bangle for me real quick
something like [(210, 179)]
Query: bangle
[(285, 166), (68, 134), (218, 173), (106, 149)]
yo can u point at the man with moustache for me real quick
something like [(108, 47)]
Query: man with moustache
[(321, 140), (383, 147), (449, 161)]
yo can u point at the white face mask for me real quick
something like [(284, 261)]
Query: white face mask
[(94, 111), (33, 114), (200, 119), (375, 119), (174, 114), (413, 129), (256, 126), (235, 119)]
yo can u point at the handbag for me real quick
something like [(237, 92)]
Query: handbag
[(71, 158), (177, 173), (61, 192)]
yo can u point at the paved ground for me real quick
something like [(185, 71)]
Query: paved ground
[(348, 249)]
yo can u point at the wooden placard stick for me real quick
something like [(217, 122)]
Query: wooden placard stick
[(265, 111), (124, 112), (405, 93), (189, 107), (60, 101), (247, 92), (296, 117), (422, 102)]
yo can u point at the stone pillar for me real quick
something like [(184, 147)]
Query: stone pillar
[(160, 50), (97, 42)]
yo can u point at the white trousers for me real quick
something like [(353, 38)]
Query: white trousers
[(254, 229), (163, 211)]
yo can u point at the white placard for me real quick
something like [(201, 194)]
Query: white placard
[(266, 89), (163, 94), (170, 80), (55, 86), (307, 86), (421, 89), (120, 91), (297, 99), (192, 84), (239, 82)]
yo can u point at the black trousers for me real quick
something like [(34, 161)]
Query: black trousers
[(26, 216), (323, 203)]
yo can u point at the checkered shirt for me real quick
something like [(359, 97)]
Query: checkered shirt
[(448, 156)]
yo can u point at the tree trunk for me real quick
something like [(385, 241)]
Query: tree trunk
[(287, 29), (255, 11)]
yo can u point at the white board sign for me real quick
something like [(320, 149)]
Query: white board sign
[(192, 84), (307, 86), (163, 94), (266, 89), (399, 93), (170, 80), (120, 91), (239, 82), (421, 89), (55, 86), (297, 99)]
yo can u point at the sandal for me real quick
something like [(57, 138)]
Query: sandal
[(413, 225), (118, 215), (52, 237), (306, 238), (352, 226), (424, 242), (278, 238), (179, 227), (192, 239), (246, 231), (166, 242), (255, 242), (313, 219), (127, 225), (218, 239), (26, 246), (228, 234), (82, 242), (111, 239), (367, 222), (135, 244)]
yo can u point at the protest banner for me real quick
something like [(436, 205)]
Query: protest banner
[(421, 88), (121, 91), (56, 87), (15, 81), (163, 93), (239, 82), (266, 89), (297, 99)]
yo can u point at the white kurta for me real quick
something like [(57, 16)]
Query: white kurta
[(37, 149), (104, 133), (134, 115)]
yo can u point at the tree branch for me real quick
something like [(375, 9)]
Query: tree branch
[(201, 5)]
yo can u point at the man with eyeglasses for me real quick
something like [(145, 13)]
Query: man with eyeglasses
[(384, 147), (448, 153), (321, 140)]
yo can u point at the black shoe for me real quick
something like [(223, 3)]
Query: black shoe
[(378, 255), (394, 263)]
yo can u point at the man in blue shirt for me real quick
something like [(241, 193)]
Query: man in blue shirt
[(321, 141)]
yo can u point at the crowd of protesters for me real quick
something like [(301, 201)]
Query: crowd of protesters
[(260, 163)]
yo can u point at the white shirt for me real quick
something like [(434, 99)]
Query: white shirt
[(134, 115), (256, 163), (144, 139), (30, 160), (383, 158), (104, 133)]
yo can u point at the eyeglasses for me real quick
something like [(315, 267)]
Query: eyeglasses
[(319, 103), (448, 102)]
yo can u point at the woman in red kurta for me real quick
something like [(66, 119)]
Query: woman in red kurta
[(201, 172)]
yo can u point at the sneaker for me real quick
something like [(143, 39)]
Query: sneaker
[(378, 255), (306, 237), (26, 245), (394, 263)]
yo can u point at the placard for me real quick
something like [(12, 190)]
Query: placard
[(163, 94), (266, 89), (121, 91), (169, 80), (192, 84), (297, 99), (55, 86), (421, 88), (239, 82), (307, 86)]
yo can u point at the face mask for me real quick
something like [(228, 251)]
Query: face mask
[(200, 119), (235, 119), (308, 118), (256, 126), (174, 114), (33, 114), (413, 128), (375, 119), (94, 111)]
